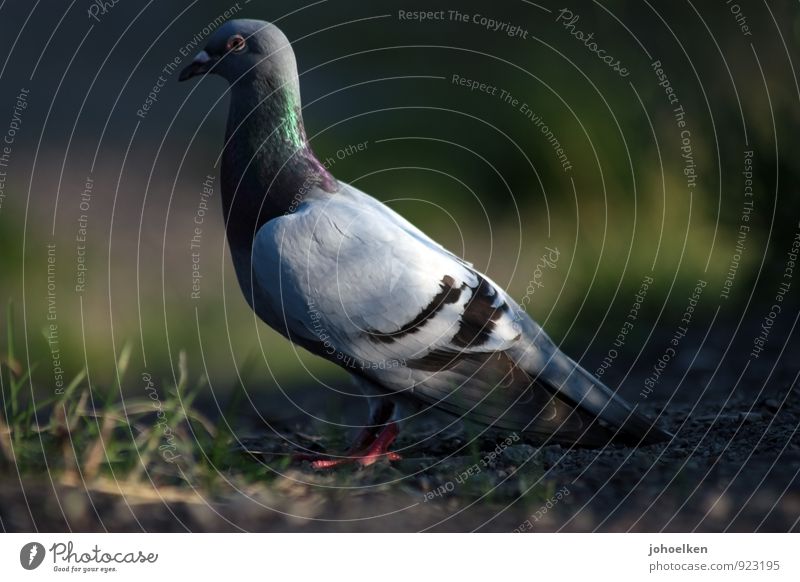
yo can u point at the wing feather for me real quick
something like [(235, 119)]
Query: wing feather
[(348, 272)]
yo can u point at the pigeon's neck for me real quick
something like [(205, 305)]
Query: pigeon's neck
[(268, 166)]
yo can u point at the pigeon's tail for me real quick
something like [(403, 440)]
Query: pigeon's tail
[(615, 419)]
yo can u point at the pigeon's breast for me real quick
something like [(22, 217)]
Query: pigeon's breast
[(364, 274)]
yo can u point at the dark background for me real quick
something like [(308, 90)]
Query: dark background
[(469, 169)]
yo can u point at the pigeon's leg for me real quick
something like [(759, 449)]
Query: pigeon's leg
[(380, 413), (365, 457), (371, 444), (380, 446)]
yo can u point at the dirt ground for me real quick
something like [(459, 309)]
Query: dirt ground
[(732, 466), (736, 471)]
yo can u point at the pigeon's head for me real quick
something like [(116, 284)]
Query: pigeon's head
[(241, 49)]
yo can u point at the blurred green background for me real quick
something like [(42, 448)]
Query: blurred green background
[(470, 168)]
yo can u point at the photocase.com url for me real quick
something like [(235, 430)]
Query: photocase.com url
[(734, 566)]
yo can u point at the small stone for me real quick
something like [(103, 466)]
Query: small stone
[(519, 454), (749, 417)]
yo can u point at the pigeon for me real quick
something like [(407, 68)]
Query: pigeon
[(345, 277)]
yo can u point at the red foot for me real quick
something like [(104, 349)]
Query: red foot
[(368, 449)]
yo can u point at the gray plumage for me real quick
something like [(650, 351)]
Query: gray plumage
[(344, 276)]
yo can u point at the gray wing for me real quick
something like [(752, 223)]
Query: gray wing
[(374, 294)]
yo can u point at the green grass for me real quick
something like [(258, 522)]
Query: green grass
[(87, 433), (100, 439)]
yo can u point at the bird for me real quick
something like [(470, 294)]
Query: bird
[(342, 275)]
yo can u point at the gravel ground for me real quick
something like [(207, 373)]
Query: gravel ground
[(731, 471), (732, 466)]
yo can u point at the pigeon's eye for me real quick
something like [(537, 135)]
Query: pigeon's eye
[(236, 43)]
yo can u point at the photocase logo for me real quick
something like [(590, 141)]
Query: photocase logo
[(31, 555)]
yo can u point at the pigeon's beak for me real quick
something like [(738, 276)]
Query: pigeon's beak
[(199, 66)]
